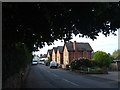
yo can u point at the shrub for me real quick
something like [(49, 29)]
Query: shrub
[(86, 63), (82, 63), (75, 64)]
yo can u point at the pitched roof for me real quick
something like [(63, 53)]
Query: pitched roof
[(55, 49), (83, 46), (60, 49), (79, 46), (69, 46), (45, 55), (50, 51)]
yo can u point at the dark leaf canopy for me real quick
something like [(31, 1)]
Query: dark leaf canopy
[(34, 23)]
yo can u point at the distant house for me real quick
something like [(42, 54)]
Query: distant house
[(44, 56), (60, 54), (76, 50), (117, 61), (49, 54), (54, 54)]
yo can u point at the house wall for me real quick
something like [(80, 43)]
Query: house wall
[(65, 56), (79, 54), (58, 57), (84, 54), (71, 56), (48, 55), (113, 66), (89, 55), (53, 55)]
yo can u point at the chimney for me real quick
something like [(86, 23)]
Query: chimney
[(74, 45)]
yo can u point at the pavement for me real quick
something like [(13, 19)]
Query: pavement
[(112, 75)]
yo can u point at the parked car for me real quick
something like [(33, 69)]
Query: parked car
[(47, 62), (53, 64), (42, 62), (34, 62)]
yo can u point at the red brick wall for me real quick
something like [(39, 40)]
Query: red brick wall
[(89, 55), (80, 54), (71, 56)]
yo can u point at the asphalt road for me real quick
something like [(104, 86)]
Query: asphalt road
[(41, 76)]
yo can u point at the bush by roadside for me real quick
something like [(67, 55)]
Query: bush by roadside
[(86, 66)]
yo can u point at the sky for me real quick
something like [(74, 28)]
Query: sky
[(108, 44)]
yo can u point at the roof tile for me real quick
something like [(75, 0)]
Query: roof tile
[(79, 46), (60, 49)]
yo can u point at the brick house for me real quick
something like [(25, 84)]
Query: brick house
[(76, 50), (60, 54), (54, 54), (49, 54)]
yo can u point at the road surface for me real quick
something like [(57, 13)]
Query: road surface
[(41, 76)]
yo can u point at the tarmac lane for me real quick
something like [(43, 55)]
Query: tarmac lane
[(41, 76)]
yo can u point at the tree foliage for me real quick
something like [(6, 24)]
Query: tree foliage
[(102, 58), (35, 23), (116, 54)]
